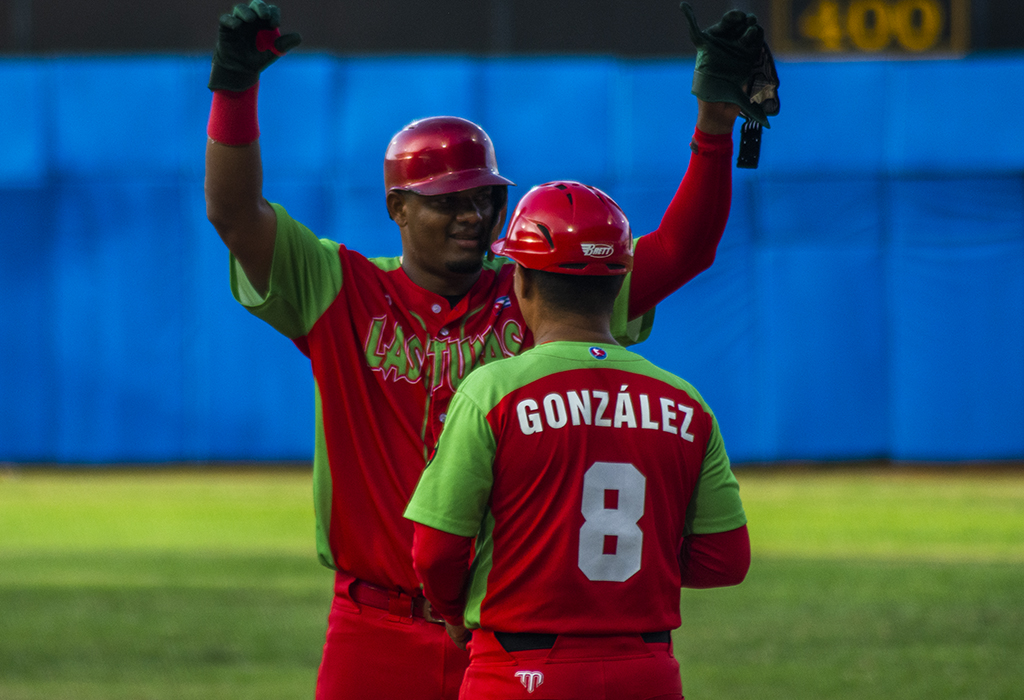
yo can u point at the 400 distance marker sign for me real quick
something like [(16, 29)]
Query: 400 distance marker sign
[(833, 27)]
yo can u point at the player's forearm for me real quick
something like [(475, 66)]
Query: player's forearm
[(234, 170), (441, 560), (235, 206), (715, 560), (686, 241), (234, 185), (249, 40)]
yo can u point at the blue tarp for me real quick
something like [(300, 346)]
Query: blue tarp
[(867, 300)]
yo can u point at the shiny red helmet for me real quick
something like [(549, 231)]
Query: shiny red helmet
[(571, 228), (440, 155)]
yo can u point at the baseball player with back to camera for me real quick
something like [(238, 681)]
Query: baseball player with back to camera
[(591, 484), (390, 339)]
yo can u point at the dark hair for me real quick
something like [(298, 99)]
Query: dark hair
[(585, 295)]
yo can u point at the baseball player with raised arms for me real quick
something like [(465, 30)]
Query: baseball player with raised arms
[(591, 484), (390, 339)]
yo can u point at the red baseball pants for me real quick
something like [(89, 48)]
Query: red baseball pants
[(371, 653), (595, 668)]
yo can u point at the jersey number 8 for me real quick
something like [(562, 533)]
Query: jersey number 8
[(611, 542)]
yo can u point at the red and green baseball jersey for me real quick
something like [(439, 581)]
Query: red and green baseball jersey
[(386, 356), (579, 469)]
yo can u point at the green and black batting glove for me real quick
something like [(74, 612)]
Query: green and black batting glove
[(249, 40), (734, 64)]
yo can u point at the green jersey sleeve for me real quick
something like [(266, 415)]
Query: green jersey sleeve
[(715, 505), (305, 278), (625, 331), (453, 492)]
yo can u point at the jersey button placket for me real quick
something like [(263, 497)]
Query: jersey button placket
[(437, 417), (442, 332)]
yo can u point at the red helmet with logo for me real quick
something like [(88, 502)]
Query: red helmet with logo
[(440, 155), (571, 228)]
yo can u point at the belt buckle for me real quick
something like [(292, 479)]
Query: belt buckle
[(428, 613), (400, 607)]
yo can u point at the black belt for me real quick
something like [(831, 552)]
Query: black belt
[(526, 641)]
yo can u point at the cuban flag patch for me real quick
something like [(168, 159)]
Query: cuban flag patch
[(501, 302), (598, 353)]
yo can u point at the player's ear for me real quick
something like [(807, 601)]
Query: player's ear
[(396, 207), (524, 282)]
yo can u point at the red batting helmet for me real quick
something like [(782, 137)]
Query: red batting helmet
[(440, 155), (571, 228)]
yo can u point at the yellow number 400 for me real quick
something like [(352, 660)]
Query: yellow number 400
[(871, 25)]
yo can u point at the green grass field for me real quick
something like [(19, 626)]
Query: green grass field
[(161, 584)]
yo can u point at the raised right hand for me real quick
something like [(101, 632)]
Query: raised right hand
[(249, 39)]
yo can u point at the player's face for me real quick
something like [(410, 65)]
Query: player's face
[(445, 237)]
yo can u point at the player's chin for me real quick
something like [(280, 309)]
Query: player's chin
[(465, 264), (465, 256)]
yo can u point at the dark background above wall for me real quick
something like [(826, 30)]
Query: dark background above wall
[(481, 27)]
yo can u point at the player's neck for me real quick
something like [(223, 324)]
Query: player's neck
[(580, 329), (450, 285)]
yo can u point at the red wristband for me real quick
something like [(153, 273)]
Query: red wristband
[(233, 119), (711, 144)]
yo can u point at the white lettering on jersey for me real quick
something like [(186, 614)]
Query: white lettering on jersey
[(645, 414), (557, 410), (683, 430), (624, 409), (619, 523), (529, 419), (667, 414), (554, 411), (602, 405), (579, 406)]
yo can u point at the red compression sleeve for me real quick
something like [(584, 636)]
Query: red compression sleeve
[(685, 242), (441, 561), (717, 559), (233, 118)]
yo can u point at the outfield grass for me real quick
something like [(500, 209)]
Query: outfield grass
[(160, 584), (903, 584)]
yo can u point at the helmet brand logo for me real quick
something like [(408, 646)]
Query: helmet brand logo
[(597, 250)]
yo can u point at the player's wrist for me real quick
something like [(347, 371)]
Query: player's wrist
[(233, 117), (455, 620), (711, 144), (716, 117)]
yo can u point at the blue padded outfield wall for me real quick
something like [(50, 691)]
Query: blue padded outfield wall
[(867, 300)]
